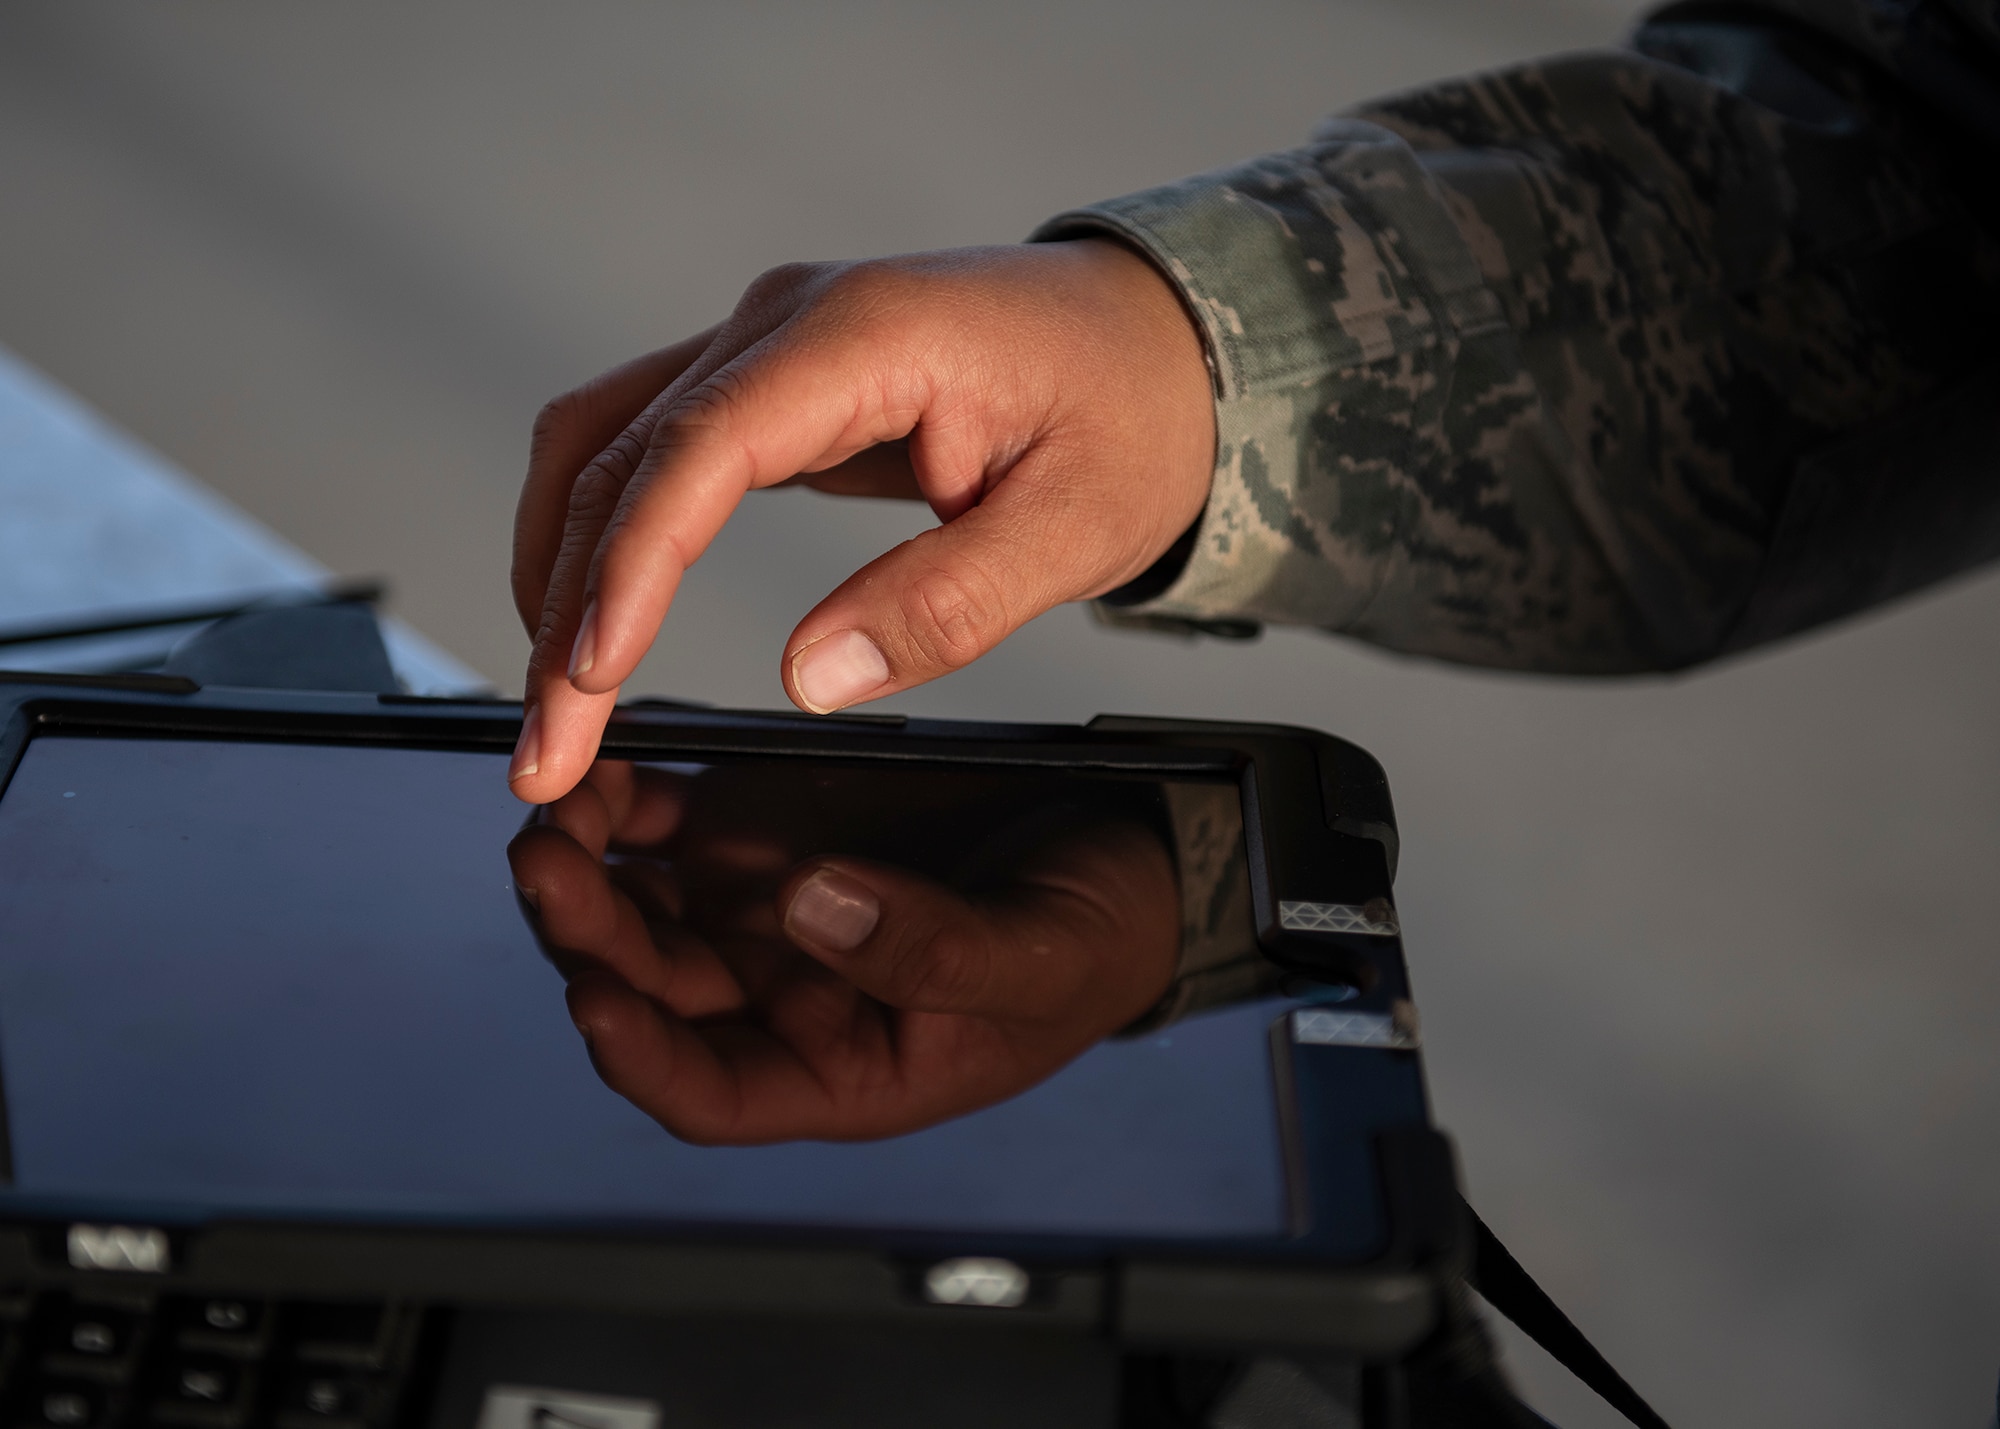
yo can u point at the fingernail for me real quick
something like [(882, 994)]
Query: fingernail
[(529, 896), (837, 670), (832, 911), (528, 749), (583, 654)]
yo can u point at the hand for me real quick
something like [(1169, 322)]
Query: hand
[(861, 999), (1050, 402)]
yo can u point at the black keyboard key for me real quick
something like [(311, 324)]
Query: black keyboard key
[(98, 1333), (360, 1335), (222, 1326), (54, 1402), (330, 1399), (101, 1341), (204, 1390), (205, 1383)]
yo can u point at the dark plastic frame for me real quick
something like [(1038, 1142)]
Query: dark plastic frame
[(1320, 828)]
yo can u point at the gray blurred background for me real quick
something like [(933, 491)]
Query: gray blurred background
[(1706, 964)]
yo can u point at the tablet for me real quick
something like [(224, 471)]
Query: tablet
[(263, 963)]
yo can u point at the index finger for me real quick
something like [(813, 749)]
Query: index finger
[(777, 409), (568, 432)]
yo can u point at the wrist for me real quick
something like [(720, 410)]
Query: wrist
[(1171, 419)]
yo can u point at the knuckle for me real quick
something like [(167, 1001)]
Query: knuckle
[(596, 491), (548, 660), (780, 284), (709, 400), (704, 415), (880, 297), (599, 486), (593, 507), (556, 417), (952, 616), (942, 971), (702, 420), (866, 279)]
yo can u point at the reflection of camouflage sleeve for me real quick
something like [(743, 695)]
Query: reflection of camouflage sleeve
[(1220, 961), (1609, 362)]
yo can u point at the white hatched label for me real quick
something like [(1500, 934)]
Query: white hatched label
[(1328, 1027), (1374, 918)]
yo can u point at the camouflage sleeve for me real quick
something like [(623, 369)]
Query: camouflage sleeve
[(1609, 362), (1220, 961)]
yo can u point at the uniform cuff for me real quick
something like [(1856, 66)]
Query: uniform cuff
[(1321, 279)]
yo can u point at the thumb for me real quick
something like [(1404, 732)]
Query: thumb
[(918, 946), (939, 601), (1086, 933)]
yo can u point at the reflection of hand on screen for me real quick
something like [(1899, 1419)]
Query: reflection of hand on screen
[(739, 987)]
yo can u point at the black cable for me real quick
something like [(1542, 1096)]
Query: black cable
[(1509, 1289)]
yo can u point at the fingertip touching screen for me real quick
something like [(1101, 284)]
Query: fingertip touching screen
[(348, 982)]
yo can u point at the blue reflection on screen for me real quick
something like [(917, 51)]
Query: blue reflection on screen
[(282, 979)]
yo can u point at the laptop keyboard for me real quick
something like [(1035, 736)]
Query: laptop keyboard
[(107, 1361)]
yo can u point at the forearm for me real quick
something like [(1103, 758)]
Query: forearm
[(1518, 370)]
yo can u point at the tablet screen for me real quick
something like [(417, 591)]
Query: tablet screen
[(295, 980)]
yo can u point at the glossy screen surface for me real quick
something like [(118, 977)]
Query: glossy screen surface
[(294, 980)]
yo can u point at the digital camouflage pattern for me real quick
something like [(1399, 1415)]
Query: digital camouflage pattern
[(1609, 362), (1220, 961)]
